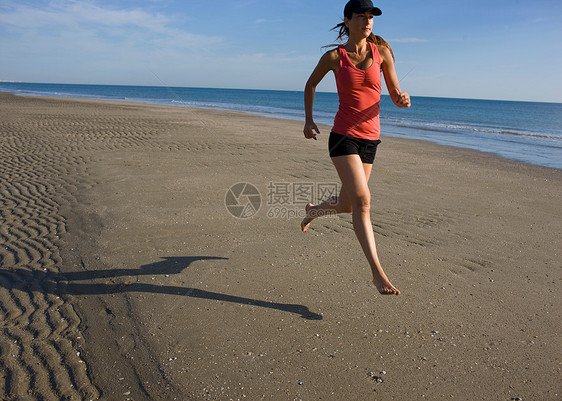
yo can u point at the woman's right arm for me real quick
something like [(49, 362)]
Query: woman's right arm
[(328, 62)]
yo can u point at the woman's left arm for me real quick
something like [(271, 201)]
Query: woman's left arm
[(400, 99)]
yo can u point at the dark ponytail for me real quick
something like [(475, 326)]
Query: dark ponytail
[(343, 31), (377, 40)]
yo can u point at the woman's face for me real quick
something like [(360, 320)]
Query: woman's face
[(360, 25)]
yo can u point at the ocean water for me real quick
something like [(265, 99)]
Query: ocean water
[(530, 132)]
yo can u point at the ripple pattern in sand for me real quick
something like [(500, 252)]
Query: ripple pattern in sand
[(42, 167)]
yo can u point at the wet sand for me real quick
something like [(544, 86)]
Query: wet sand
[(125, 276)]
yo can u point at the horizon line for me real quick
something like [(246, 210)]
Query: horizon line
[(261, 89)]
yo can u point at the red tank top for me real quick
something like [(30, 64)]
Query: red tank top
[(359, 94)]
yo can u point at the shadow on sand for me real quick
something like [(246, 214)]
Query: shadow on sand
[(66, 284)]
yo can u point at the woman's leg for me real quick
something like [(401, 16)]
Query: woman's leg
[(354, 174), (333, 205)]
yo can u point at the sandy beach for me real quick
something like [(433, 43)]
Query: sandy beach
[(124, 274)]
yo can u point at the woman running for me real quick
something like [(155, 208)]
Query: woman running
[(355, 134)]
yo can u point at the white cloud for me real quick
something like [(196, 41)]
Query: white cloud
[(84, 41), (68, 12), (64, 17)]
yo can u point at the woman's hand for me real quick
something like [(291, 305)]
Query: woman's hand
[(401, 99), (310, 130)]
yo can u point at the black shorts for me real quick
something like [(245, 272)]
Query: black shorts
[(341, 145)]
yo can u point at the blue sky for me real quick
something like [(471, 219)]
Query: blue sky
[(495, 49)]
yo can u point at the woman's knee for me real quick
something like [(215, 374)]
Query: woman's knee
[(341, 204), (344, 207), (361, 202)]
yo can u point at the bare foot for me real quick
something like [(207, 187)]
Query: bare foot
[(385, 287), (305, 223)]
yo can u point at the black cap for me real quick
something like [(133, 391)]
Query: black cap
[(360, 7)]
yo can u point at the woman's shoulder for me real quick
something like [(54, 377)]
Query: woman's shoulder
[(331, 57), (382, 48), (384, 52), (332, 54)]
